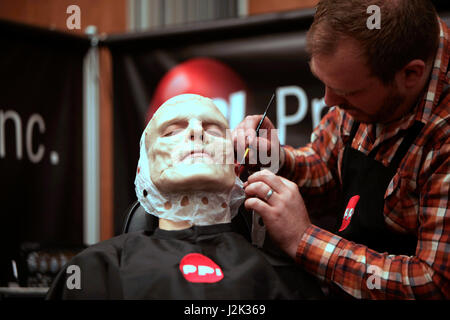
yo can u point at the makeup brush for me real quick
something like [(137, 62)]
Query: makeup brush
[(257, 131)]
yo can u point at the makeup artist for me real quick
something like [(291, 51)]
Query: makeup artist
[(381, 154)]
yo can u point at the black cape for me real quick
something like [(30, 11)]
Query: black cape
[(144, 265)]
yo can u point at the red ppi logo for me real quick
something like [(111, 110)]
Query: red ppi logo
[(349, 211), (197, 268)]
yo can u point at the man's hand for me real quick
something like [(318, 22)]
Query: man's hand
[(244, 135), (284, 213)]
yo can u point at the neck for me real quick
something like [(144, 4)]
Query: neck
[(166, 224)]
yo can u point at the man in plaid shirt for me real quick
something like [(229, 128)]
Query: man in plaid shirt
[(381, 154)]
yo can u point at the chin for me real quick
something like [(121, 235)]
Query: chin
[(196, 177), (360, 117)]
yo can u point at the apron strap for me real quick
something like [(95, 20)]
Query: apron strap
[(353, 131), (374, 151), (411, 135), (408, 140)]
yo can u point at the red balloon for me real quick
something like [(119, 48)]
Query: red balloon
[(203, 76)]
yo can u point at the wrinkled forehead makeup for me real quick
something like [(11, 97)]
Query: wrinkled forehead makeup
[(182, 107)]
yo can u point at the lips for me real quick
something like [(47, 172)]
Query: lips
[(195, 154)]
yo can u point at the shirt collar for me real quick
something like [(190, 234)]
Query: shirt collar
[(424, 108), (439, 77)]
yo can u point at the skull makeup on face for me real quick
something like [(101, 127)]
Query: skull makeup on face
[(185, 171), (188, 147)]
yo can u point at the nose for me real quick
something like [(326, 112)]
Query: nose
[(332, 99), (195, 131)]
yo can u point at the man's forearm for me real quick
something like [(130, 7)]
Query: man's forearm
[(365, 273)]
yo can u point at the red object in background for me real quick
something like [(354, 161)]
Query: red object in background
[(204, 76), (195, 267), (349, 211)]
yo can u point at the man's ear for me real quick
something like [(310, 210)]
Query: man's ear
[(411, 75)]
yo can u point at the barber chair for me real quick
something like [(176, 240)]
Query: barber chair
[(139, 220)]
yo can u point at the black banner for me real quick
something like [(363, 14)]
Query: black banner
[(41, 139)]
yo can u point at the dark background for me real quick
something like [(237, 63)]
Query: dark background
[(41, 73)]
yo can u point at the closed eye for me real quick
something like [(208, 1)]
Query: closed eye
[(214, 130), (173, 129)]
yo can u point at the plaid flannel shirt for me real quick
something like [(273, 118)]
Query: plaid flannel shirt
[(416, 200)]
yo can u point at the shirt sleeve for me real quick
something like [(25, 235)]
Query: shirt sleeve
[(365, 273), (314, 167)]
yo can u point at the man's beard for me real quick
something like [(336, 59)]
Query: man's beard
[(391, 104), (386, 113)]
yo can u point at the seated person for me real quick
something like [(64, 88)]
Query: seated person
[(186, 179)]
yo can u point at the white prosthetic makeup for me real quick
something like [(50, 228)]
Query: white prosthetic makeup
[(185, 173)]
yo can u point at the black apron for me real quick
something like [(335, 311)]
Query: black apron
[(364, 183)]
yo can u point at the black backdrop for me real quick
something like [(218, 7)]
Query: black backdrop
[(41, 136)]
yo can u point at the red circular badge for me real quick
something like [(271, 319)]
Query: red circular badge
[(197, 268)]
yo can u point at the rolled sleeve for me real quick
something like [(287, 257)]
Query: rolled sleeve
[(318, 251)]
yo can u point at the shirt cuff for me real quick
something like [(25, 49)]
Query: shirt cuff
[(318, 251), (288, 165)]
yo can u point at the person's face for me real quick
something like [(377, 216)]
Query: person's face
[(350, 85), (188, 148)]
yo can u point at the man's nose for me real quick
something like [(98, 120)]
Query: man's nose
[(195, 131), (332, 99)]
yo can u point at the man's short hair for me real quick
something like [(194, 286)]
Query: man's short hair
[(409, 30)]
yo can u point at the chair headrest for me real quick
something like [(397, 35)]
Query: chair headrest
[(137, 219)]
